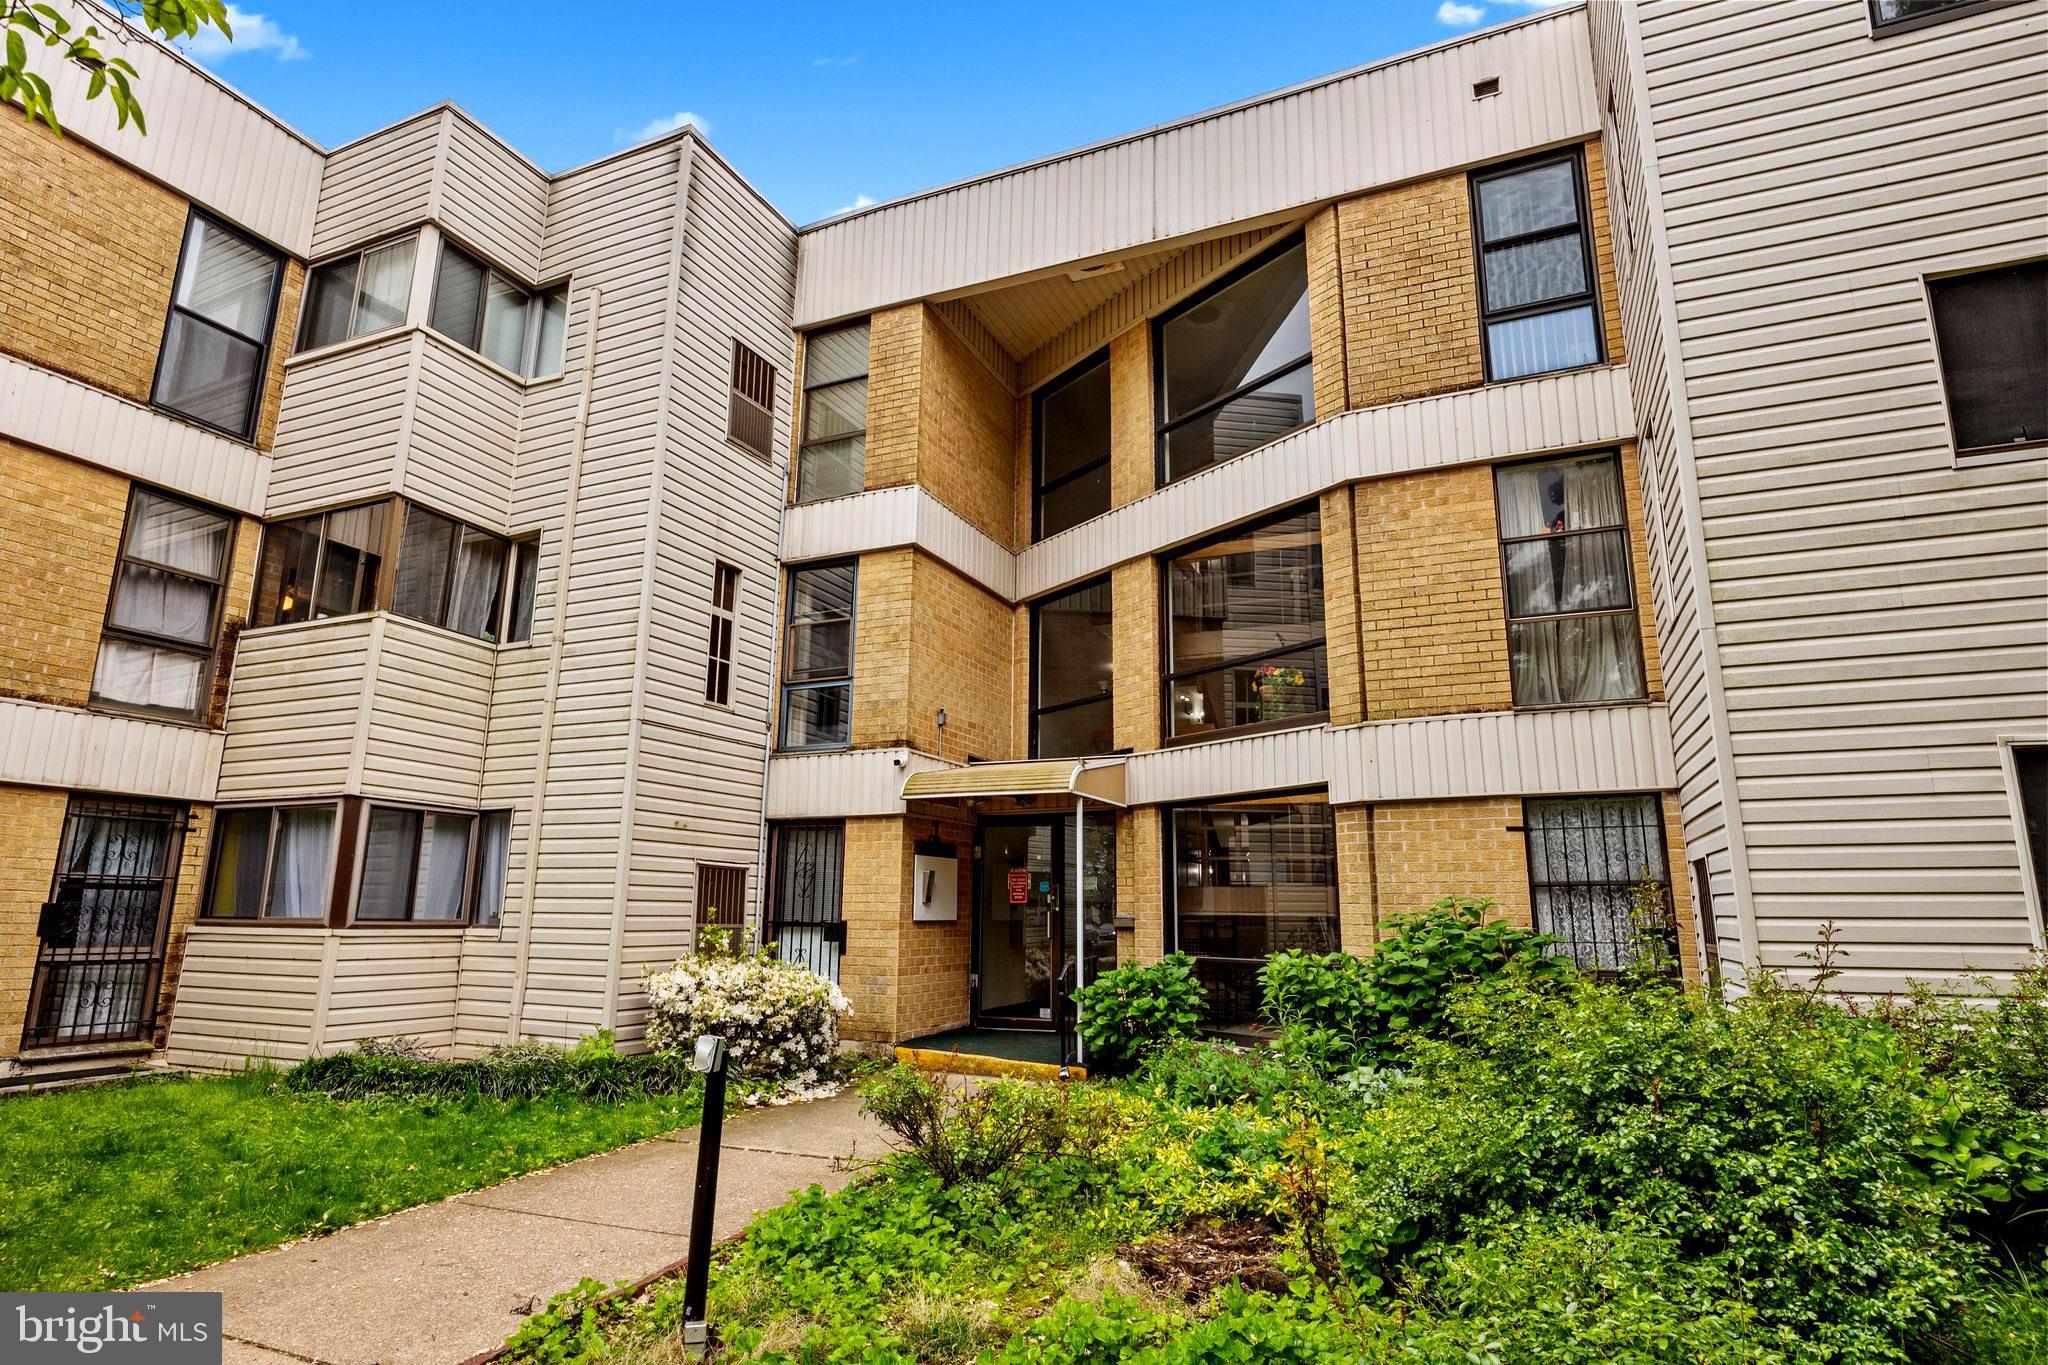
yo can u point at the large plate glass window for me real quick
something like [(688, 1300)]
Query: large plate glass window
[(1234, 365), (1992, 330), (831, 459), (489, 313), (1572, 633), (1245, 628), (804, 920), (449, 575), (327, 564), (817, 657), (1536, 273), (1250, 879), (271, 862), (358, 294), (1070, 449), (217, 337), (1072, 711), (156, 651), (415, 865), (1588, 855)]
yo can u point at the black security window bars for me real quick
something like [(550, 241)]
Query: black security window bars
[(163, 614), (271, 863), (216, 345), (750, 407), (1566, 564), (1072, 682), (1250, 879), (358, 294), (804, 921), (1588, 857), (817, 657), (1234, 364), (1991, 329), (100, 937), (1245, 634), (725, 594), (1070, 449), (721, 900), (482, 310), (831, 457), (1536, 270)]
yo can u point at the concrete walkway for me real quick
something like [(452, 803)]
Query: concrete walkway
[(439, 1283)]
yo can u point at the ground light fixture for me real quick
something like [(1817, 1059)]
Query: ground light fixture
[(709, 1061)]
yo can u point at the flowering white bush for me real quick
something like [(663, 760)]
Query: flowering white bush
[(780, 1022)]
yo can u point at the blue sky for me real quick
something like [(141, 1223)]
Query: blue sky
[(821, 105)]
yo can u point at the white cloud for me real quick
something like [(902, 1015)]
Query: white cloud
[(253, 33), (1459, 16), (682, 118), (860, 201), (833, 61)]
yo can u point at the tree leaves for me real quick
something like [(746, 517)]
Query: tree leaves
[(110, 76)]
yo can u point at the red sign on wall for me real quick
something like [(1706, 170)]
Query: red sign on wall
[(1020, 885)]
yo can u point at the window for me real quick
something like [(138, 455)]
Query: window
[(449, 575), (328, 564), (508, 324), (1536, 268), (1587, 854), (721, 901), (415, 865), (817, 664), (1072, 711), (1572, 635), (156, 649), (1245, 628), (831, 460), (804, 921), (358, 294), (1992, 332), (1889, 15), (1234, 365), (1070, 449), (1252, 878), (2030, 771), (217, 338), (725, 594), (493, 844), (750, 410), (271, 862), (525, 583)]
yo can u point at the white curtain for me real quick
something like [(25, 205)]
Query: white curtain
[(386, 281), (494, 837), (145, 675), (479, 579), (444, 859), (298, 880), (1580, 658)]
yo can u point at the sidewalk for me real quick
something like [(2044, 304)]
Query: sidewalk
[(437, 1284)]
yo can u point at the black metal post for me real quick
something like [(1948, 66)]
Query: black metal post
[(709, 1059)]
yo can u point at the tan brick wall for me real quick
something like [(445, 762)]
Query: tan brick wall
[(934, 959), (1141, 884), (1432, 621), (1132, 464), (1411, 304), (1341, 608), (895, 373), (960, 659), (905, 979), (967, 438), (1357, 894), (34, 821), (1020, 681), (881, 649), (1326, 314), (1683, 911), (64, 521), (1603, 251), (1426, 850), (185, 901), (1134, 608)]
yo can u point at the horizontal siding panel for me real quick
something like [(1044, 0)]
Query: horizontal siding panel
[(493, 199), (841, 785), (61, 746), (429, 713), (1503, 753), (379, 184), (293, 709), (341, 425), (246, 995)]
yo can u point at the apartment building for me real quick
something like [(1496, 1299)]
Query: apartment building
[(1515, 469)]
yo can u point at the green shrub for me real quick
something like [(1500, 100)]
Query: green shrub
[(1127, 1013), (592, 1069), (1206, 1074), (965, 1133)]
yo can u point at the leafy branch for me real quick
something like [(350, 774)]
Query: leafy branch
[(112, 77)]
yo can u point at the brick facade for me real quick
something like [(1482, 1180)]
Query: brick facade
[(1135, 659), (1132, 464), (939, 418), (64, 520), (1411, 302), (960, 653)]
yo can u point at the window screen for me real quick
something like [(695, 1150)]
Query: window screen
[(1992, 329)]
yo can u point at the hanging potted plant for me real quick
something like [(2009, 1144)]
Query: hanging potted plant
[(1273, 686)]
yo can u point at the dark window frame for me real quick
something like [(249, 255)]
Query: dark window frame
[(529, 334), (398, 508), (515, 630), (1933, 283), (386, 571), (1507, 602), (749, 365), (718, 647), (791, 571), (210, 652), (476, 869), (1169, 675), (1881, 27), (1161, 428), (301, 344), (252, 415), (804, 441), (360, 824), (1575, 157), (1655, 801), (1040, 489), (1033, 706), (339, 847)]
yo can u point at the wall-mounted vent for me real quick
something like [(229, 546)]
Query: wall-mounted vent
[(750, 412), (1489, 86)]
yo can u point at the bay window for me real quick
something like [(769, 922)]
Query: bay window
[(326, 564), (1070, 449), (1572, 631), (217, 338), (415, 865), (1072, 707), (482, 310), (817, 657), (271, 863), (1250, 879), (163, 615), (1587, 857), (1234, 364), (831, 458), (449, 575), (1536, 271), (1245, 642), (361, 293)]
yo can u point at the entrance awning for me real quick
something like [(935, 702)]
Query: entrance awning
[(1096, 779)]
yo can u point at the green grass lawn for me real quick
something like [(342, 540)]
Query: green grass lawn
[(111, 1185)]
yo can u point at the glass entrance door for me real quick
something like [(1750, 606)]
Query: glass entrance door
[(1024, 913)]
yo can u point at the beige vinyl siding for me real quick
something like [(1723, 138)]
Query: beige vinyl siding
[(378, 184), (490, 197), (1879, 603), (429, 700), (61, 746), (294, 709), (342, 425), (388, 983), (460, 450), (247, 994)]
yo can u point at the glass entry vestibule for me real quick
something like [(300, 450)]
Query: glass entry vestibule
[(1024, 914)]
